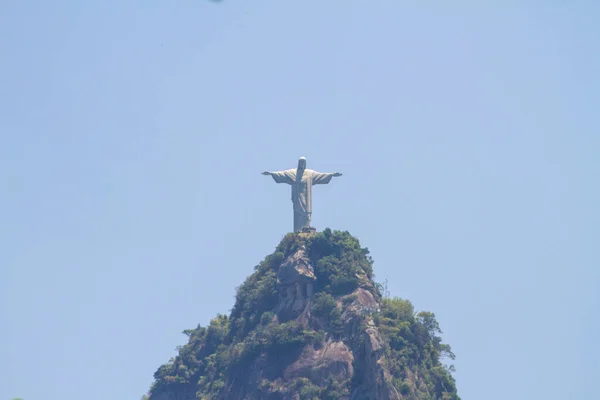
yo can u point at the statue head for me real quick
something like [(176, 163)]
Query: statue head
[(302, 163)]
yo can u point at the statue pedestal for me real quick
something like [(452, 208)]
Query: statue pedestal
[(308, 230)]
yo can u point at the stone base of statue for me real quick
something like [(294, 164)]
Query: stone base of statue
[(309, 230)]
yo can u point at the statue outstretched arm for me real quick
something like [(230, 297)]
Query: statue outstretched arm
[(282, 176), (322, 178)]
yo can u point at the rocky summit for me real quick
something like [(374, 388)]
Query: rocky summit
[(311, 323)]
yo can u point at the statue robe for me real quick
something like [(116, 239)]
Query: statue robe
[(302, 192)]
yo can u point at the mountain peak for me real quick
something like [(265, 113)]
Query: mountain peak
[(311, 323)]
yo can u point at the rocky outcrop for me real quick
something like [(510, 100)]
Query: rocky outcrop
[(331, 360), (376, 375), (357, 317), (295, 283)]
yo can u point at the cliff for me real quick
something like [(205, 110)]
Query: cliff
[(310, 323)]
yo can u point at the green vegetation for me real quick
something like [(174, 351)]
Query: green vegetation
[(339, 261), (252, 338), (325, 307), (412, 345)]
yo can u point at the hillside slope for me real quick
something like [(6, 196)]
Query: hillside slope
[(310, 323)]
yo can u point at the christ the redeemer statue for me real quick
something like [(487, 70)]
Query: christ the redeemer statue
[(301, 180)]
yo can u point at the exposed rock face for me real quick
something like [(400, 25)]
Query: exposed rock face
[(306, 326), (295, 281), (332, 360), (377, 382), (376, 374)]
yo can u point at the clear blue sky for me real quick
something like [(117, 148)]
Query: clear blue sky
[(133, 134)]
